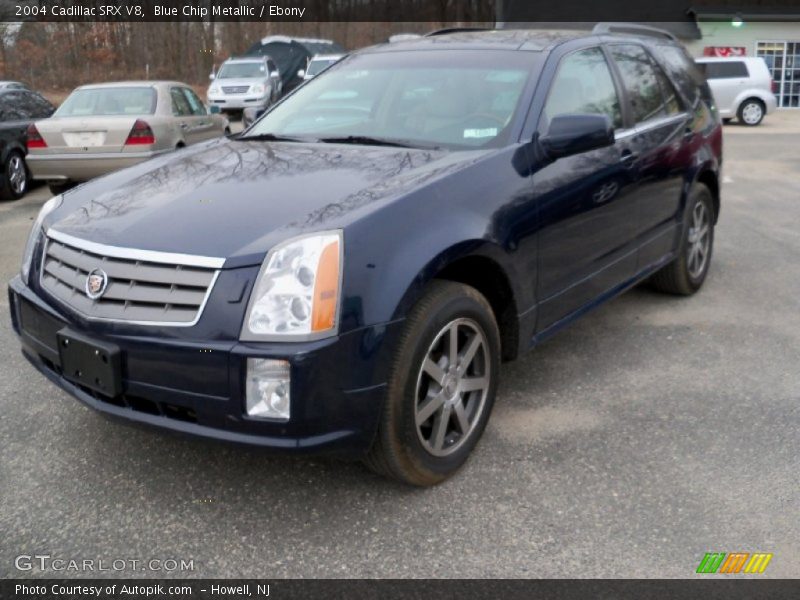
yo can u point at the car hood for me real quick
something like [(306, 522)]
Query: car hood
[(234, 200)]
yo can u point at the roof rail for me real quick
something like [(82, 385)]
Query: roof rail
[(633, 29), (447, 30)]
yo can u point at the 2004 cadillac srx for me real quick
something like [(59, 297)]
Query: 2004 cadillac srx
[(347, 275)]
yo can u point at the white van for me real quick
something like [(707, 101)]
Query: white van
[(742, 87)]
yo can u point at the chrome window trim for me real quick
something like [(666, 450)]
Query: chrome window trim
[(646, 126), (624, 133), (133, 255), (186, 260), (660, 122)]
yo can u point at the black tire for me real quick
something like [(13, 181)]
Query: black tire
[(677, 277), (753, 118), (399, 450), (16, 178), (727, 120), (60, 187)]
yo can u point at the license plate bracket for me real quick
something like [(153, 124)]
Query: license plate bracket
[(96, 365)]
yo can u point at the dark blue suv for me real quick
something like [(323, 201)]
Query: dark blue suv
[(347, 274)]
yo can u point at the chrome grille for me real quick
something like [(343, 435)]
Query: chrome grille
[(141, 288), (236, 89)]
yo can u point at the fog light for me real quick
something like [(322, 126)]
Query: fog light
[(267, 388)]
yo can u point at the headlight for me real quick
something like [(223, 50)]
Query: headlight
[(257, 88), (33, 236), (213, 90), (297, 291)]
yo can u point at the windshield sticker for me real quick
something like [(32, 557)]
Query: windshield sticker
[(480, 133)]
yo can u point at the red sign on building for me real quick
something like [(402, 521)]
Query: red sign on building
[(724, 51)]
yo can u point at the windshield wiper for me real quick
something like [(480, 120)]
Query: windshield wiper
[(273, 137), (366, 140)]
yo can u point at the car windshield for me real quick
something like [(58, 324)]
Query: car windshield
[(109, 101), (243, 70), (457, 99), (319, 64)]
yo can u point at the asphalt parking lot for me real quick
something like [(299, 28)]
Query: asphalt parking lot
[(651, 432)]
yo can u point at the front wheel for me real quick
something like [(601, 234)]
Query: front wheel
[(441, 388), (686, 274)]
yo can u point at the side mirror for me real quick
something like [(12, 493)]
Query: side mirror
[(575, 133), (213, 109), (301, 73), (274, 74), (211, 76)]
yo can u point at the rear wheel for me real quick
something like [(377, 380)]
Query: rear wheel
[(751, 112), (441, 389), (16, 177), (686, 274)]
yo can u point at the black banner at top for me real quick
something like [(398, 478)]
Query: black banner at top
[(466, 12)]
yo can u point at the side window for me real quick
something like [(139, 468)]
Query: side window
[(6, 108), (640, 81), (195, 104), (40, 108), (726, 70), (16, 107), (180, 106), (583, 84), (683, 70), (672, 102)]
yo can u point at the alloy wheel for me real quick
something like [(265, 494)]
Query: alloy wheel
[(698, 241), (17, 177), (452, 387)]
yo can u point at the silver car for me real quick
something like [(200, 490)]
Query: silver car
[(104, 127), (249, 81), (742, 87)]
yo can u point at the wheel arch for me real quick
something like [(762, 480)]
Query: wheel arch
[(12, 146), (746, 95), (478, 264), (710, 179)]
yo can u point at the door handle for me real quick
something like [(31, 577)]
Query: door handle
[(628, 158), (184, 126)]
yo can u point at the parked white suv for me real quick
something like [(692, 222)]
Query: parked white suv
[(742, 87), (243, 82)]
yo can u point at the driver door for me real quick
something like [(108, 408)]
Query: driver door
[(586, 205)]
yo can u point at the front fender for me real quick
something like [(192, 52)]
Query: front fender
[(384, 289), (391, 255)]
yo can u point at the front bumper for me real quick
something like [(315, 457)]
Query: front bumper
[(197, 387), (238, 101), (82, 167)]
